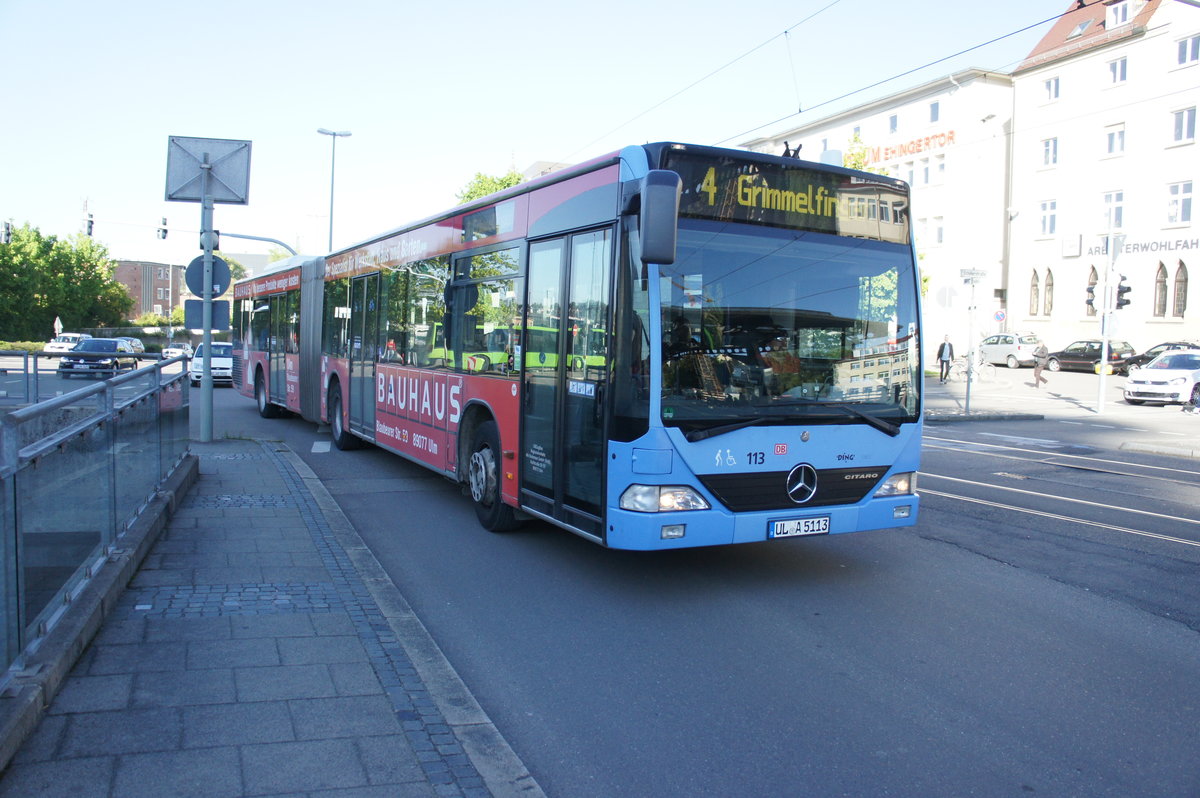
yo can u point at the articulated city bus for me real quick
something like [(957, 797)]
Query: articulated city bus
[(669, 346)]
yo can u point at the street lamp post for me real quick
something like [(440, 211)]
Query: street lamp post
[(333, 134)]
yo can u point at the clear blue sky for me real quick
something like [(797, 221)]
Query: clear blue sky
[(433, 93)]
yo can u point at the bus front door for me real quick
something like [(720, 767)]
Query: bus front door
[(565, 379), (364, 340)]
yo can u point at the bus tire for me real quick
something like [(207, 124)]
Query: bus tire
[(342, 438), (483, 479), (262, 399)]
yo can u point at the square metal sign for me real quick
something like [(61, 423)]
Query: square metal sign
[(228, 162)]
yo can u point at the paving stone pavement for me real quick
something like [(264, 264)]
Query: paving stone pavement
[(249, 657)]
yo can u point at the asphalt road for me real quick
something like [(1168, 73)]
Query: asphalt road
[(1035, 633)]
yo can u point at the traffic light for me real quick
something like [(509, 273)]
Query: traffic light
[(1091, 300), (162, 231), (6, 233), (89, 224), (1122, 290)]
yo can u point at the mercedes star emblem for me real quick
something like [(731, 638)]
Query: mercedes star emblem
[(802, 483)]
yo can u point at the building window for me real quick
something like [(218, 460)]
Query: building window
[(1160, 292), (1114, 210), (1118, 14), (1093, 278), (1189, 50), (893, 123), (939, 173), (925, 174), (1048, 294), (909, 170), (1049, 217), (1050, 85), (934, 112), (1078, 30), (1185, 126), (1034, 295), (1179, 202), (1118, 71), (939, 229), (1049, 152), (1181, 286), (1114, 139)]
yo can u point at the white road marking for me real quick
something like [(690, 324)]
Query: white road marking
[(1138, 532)]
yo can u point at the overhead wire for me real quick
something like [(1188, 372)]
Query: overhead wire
[(899, 75), (785, 34), (695, 83)]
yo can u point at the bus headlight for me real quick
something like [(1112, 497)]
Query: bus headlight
[(661, 499), (903, 484)]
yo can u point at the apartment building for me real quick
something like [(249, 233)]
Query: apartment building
[(1104, 169), (1030, 178)]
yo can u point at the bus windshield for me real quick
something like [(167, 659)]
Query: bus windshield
[(775, 325)]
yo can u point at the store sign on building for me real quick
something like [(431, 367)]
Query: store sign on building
[(1136, 247), (936, 141)]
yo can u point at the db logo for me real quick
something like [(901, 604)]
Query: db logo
[(781, 448)]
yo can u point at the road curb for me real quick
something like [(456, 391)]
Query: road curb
[(953, 416), (498, 765), (47, 665), (1192, 452)]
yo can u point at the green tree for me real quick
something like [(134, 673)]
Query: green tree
[(236, 270), (42, 277), (856, 157), (481, 185)]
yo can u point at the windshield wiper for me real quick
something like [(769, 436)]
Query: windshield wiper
[(875, 421), (712, 432)]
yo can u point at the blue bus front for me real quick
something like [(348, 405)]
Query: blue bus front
[(772, 385)]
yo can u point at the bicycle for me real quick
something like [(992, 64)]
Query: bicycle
[(984, 372)]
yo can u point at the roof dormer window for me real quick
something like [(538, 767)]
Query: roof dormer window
[(1079, 29), (1117, 14)]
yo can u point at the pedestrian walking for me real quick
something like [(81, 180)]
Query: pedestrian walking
[(1041, 357), (945, 356)]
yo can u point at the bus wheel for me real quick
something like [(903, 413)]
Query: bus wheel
[(483, 477), (337, 430), (265, 408)]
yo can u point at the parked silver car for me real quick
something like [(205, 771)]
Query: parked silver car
[(1010, 349)]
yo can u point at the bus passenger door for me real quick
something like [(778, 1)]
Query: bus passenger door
[(566, 377), (364, 340), (276, 361)]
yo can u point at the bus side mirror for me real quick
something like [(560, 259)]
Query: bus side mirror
[(658, 215)]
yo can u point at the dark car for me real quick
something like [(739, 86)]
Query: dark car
[(1084, 355), (101, 357), (1137, 361), (135, 343)]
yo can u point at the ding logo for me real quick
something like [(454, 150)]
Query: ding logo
[(801, 483)]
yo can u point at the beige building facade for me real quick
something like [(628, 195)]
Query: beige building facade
[(1021, 180)]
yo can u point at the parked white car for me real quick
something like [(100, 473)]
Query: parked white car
[(175, 350), (65, 342), (222, 364), (1173, 376)]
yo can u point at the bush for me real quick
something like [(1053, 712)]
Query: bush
[(22, 346)]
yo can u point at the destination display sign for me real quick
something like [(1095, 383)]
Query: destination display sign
[(796, 196)]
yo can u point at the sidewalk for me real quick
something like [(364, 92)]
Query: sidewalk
[(260, 650)]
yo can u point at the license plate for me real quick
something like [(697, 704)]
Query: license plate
[(795, 527)]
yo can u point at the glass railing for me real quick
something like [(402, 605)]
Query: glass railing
[(76, 470)]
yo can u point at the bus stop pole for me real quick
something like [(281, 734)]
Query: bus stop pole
[(206, 226)]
